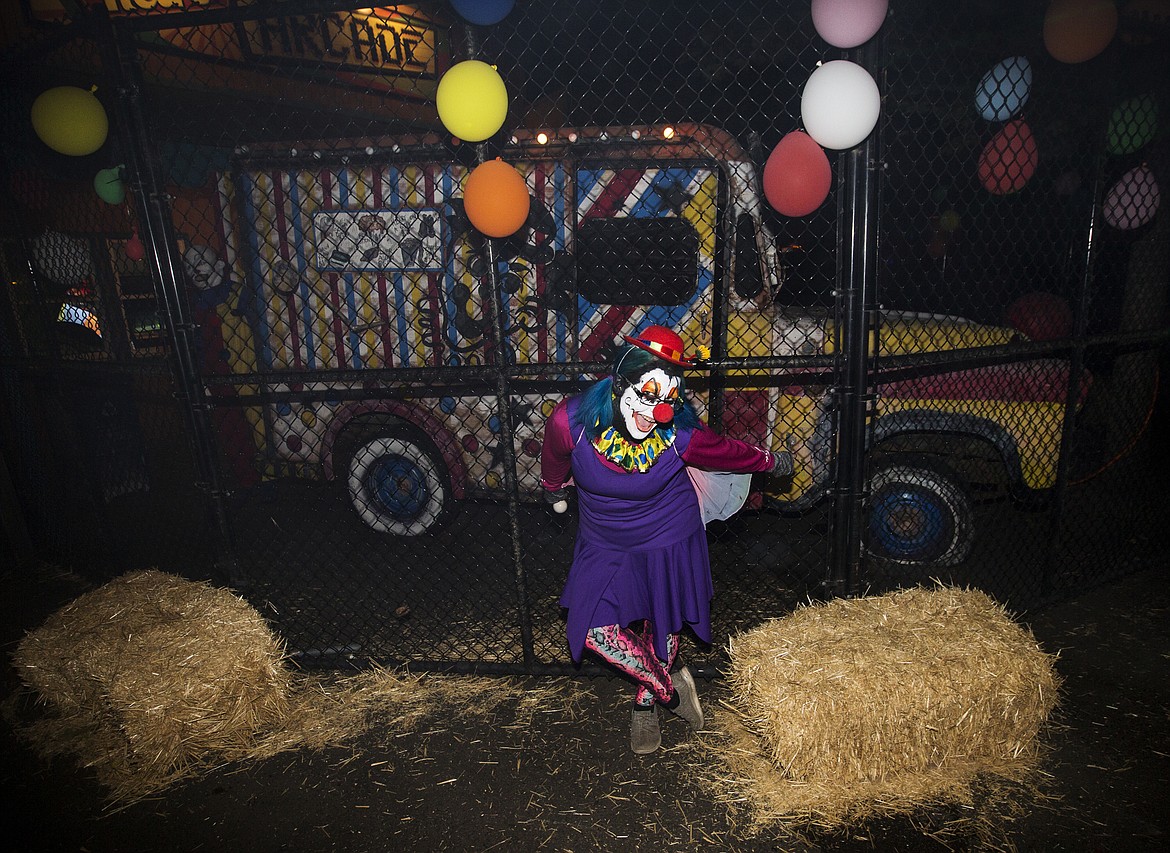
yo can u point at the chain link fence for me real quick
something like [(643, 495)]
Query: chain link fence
[(254, 336)]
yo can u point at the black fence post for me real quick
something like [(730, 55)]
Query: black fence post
[(1075, 385), (157, 234), (504, 413), (508, 453), (856, 274)]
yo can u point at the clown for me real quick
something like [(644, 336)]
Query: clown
[(640, 570)]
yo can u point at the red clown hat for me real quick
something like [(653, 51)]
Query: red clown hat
[(663, 343)]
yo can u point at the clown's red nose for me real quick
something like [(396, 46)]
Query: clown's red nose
[(664, 413)]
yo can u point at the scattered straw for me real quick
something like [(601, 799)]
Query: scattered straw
[(873, 707), (151, 679)]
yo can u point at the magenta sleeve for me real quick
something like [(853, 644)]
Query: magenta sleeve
[(720, 453), (557, 450)]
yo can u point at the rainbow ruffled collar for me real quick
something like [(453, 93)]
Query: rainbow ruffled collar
[(633, 457)]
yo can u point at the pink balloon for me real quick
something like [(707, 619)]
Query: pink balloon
[(797, 175), (1009, 160), (1133, 200), (848, 23), (134, 249)]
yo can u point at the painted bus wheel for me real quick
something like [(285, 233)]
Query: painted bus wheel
[(397, 486), (918, 516)]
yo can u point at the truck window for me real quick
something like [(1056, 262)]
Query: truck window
[(637, 261), (749, 279)]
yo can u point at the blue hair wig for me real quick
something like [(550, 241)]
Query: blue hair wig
[(595, 410)]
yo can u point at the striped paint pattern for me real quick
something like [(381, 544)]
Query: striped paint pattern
[(322, 320), (650, 193)]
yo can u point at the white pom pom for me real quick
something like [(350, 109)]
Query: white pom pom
[(560, 506)]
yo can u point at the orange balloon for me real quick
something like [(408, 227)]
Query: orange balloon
[(495, 198), (1077, 30)]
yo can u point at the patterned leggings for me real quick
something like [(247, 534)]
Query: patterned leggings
[(633, 654)]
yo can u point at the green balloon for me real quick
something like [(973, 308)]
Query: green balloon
[(1132, 125), (109, 187)]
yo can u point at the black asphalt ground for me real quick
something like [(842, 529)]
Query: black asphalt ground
[(565, 780)]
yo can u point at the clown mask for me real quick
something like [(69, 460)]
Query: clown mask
[(647, 402), (204, 268)]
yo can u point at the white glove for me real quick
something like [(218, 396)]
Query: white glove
[(559, 499)]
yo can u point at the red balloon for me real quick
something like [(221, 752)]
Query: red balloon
[(797, 175), (135, 251), (495, 198), (1041, 316), (1009, 160)]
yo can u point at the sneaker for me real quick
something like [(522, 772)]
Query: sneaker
[(688, 698), (645, 735)]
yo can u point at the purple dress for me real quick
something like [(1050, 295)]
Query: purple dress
[(641, 550)]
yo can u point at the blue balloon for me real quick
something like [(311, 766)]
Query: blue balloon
[(1004, 89), (483, 12)]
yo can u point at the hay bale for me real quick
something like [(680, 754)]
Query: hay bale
[(871, 706), (160, 673)]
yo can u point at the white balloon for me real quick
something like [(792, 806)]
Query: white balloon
[(840, 104), (62, 259)]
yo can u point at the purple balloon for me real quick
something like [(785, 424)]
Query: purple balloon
[(848, 23), (1133, 200)]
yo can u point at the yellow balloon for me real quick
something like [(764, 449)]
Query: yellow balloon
[(70, 120), (949, 220), (472, 100)]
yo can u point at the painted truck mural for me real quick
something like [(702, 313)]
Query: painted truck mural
[(356, 255)]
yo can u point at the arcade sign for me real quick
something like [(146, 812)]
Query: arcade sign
[(383, 41)]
